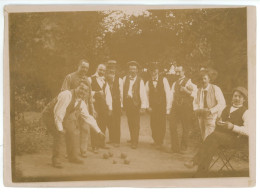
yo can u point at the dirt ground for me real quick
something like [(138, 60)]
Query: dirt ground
[(145, 162)]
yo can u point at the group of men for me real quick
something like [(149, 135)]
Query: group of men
[(95, 103)]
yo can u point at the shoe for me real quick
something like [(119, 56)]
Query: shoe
[(133, 146), (76, 160), (57, 165), (116, 145), (105, 147), (189, 164), (84, 155), (170, 151), (129, 141), (157, 146), (95, 150), (153, 144)]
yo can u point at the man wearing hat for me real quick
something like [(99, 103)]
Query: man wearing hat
[(231, 130), (158, 94), (115, 85), (209, 103), (182, 94), (134, 101), (70, 82)]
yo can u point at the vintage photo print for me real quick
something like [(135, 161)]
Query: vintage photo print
[(157, 96)]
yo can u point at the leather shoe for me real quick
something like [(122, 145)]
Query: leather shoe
[(189, 164), (57, 165), (76, 161)]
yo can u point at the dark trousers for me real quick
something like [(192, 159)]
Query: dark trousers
[(180, 114), (102, 124), (58, 139), (133, 118), (158, 125), (114, 125), (210, 146)]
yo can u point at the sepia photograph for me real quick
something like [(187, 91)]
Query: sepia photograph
[(107, 93)]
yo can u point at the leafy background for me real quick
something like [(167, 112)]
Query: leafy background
[(45, 47)]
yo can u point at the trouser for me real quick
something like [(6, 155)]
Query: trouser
[(84, 137), (180, 114), (210, 146), (207, 124), (158, 125), (102, 124), (133, 119), (71, 126), (114, 123), (58, 139)]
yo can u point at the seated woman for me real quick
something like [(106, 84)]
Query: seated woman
[(230, 128)]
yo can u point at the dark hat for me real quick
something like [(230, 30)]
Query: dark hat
[(133, 63), (213, 74), (241, 90), (112, 63)]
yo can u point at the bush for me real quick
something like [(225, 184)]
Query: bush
[(30, 135)]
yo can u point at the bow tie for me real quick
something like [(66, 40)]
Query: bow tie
[(155, 80)]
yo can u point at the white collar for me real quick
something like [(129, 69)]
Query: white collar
[(133, 79), (207, 88)]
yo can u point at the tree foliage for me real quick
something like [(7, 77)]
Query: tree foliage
[(44, 47)]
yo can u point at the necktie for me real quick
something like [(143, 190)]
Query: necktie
[(205, 105)]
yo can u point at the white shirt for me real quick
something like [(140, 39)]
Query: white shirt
[(109, 99), (221, 103), (243, 130), (167, 90), (64, 99), (143, 95), (101, 82), (193, 89)]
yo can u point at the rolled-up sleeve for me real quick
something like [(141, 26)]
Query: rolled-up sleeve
[(63, 102), (87, 118), (168, 94), (221, 103), (171, 98), (147, 93), (108, 97), (143, 96), (121, 86), (66, 83), (242, 130)]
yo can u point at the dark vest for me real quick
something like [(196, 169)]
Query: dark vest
[(136, 91), (157, 96), (181, 98), (48, 112), (234, 117), (99, 101), (115, 92)]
